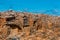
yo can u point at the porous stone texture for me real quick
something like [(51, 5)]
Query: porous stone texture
[(28, 26)]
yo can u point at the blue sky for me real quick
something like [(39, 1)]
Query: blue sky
[(29, 5)]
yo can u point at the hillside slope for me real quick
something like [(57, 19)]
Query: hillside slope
[(28, 26)]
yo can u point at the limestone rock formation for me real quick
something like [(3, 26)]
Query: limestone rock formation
[(28, 26)]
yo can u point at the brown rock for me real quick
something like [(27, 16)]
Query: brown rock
[(22, 25)]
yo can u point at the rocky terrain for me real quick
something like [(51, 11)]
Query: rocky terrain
[(28, 26)]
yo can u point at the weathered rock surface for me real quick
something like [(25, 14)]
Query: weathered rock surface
[(27, 26)]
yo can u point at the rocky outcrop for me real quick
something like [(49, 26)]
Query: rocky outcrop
[(28, 26)]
